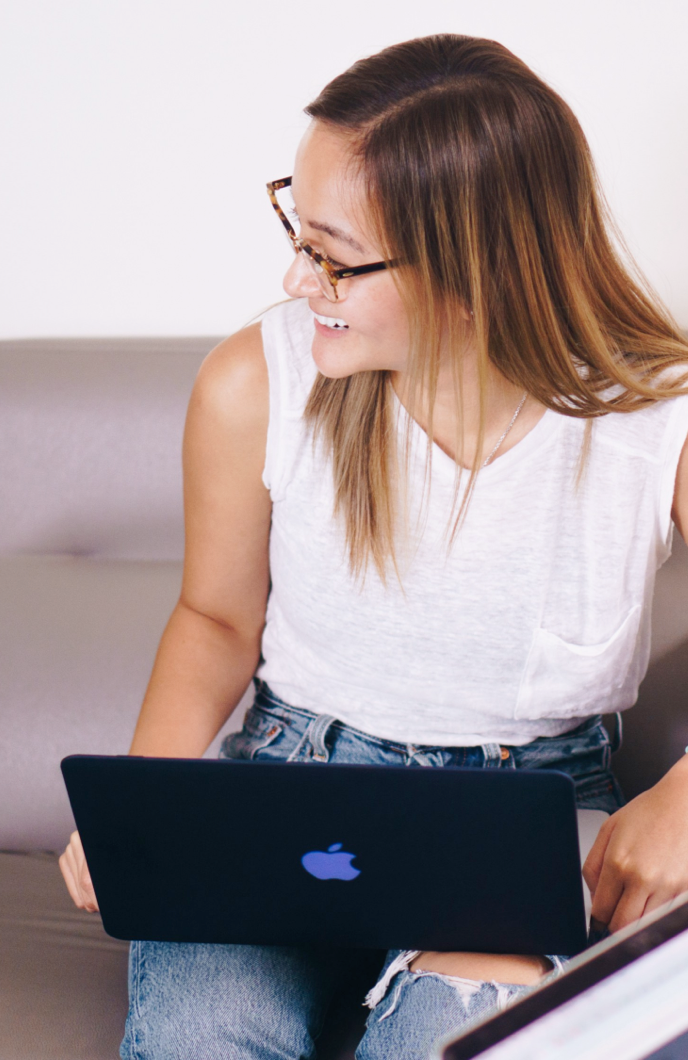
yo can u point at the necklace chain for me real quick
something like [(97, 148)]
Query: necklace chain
[(513, 421)]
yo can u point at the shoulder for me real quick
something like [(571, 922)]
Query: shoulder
[(232, 384), (235, 367), (264, 369), (227, 420), (651, 432)]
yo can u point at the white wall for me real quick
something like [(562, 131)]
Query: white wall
[(136, 137)]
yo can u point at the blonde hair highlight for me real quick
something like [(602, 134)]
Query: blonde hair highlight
[(481, 182)]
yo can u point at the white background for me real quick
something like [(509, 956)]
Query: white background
[(136, 137)]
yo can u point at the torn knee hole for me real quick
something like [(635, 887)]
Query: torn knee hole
[(483, 967)]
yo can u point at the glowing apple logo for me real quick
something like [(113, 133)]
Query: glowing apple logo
[(333, 864)]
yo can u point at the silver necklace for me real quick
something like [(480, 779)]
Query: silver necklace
[(513, 421)]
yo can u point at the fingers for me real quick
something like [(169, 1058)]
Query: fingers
[(76, 875), (656, 900), (630, 907), (661, 897), (606, 897), (595, 859), (619, 896), (618, 904), (68, 877)]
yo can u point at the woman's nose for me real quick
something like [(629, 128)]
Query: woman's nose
[(299, 280)]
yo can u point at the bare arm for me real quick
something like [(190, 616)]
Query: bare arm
[(211, 645), (640, 857)]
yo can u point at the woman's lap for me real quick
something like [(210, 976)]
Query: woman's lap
[(204, 1002), (262, 1002)]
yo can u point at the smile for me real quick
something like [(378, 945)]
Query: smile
[(330, 322)]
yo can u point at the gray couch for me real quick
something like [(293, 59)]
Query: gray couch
[(91, 541)]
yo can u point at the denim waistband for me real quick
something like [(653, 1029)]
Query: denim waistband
[(321, 723), (274, 729)]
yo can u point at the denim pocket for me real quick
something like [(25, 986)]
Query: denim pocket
[(599, 791), (584, 753), (258, 732)]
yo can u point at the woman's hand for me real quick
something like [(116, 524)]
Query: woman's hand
[(76, 875), (639, 860)]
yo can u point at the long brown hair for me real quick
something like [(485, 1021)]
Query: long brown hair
[(480, 178)]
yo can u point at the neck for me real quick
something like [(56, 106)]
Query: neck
[(456, 416)]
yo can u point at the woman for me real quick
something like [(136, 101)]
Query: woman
[(447, 471)]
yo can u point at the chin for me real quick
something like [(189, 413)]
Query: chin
[(334, 364)]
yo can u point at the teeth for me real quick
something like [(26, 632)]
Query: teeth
[(330, 322)]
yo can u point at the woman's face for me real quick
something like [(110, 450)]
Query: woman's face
[(330, 202)]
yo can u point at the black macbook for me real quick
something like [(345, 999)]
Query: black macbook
[(191, 850)]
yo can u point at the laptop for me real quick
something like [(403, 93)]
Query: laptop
[(307, 853)]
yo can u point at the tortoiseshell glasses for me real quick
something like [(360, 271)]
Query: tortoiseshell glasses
[(326, 271)]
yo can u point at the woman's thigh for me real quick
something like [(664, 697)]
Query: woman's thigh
[(210, 1002)]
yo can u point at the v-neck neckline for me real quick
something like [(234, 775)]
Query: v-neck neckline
[(535, 437)]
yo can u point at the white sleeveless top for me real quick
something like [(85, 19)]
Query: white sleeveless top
[(538, 617)]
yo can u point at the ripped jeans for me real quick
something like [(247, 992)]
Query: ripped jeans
[(222, 1002)]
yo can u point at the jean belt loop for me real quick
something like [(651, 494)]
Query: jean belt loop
[(493, 755), (261, 688), (316, 733), (419, 757)]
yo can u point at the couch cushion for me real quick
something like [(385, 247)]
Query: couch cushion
[(90, 432), (77, 642), (63, 981)]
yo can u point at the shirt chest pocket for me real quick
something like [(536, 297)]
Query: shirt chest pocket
[(561, 679)]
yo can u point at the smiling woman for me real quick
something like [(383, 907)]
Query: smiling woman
[(425, 503)]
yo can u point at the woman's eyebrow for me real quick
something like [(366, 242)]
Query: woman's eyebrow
[(337, 233)]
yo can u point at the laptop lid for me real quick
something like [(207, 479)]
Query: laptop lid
[(353, 855)]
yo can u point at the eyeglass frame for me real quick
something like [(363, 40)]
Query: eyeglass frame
[(333, 275)]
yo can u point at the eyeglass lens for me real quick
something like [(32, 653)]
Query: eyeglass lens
[(286, 202), (327, 288)]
